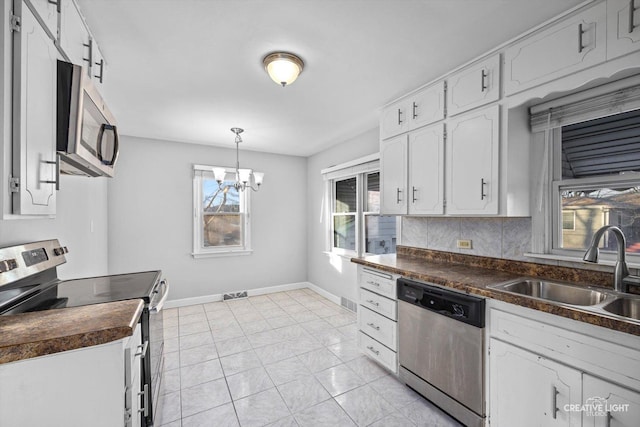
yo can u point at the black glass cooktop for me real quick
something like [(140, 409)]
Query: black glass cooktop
[(90, 290)]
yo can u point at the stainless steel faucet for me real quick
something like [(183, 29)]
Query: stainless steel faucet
[(621, 276)]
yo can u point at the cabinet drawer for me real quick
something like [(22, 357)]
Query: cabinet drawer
[(379, 304), (378, 282), (378, 327), (378, 352)]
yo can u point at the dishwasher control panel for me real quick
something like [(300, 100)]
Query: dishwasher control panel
[(456, 305)]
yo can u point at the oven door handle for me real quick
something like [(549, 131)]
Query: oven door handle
[(165, 294)]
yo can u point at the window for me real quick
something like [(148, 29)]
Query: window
[(221, 215), (356, 226), (597, 164)]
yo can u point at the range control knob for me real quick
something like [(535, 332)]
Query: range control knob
[(7, 265), (61, 250)]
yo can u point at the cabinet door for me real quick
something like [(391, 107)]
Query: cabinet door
[(34, 121), (613, 406), (394, 120), (529, 390), (74, 37), (475, 86), (48, 14), (623, 27), (568, 46), (393, 172), (426, 171), (426, 106), (472, 163)]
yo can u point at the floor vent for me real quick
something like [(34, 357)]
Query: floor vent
[(348, 304), (234, 295)]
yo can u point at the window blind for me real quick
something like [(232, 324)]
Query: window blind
[(604, 146), (606, 100)]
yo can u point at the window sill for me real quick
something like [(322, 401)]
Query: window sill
[(347, 256), (221, 254), (578, 259)]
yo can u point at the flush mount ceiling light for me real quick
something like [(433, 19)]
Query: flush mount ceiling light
[(283, 67), (245, 178)]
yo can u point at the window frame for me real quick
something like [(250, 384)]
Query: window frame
[(200, 173), (558, 185), (356, 214), (360, 214)]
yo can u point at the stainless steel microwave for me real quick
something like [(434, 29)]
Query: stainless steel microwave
[(87, 135)]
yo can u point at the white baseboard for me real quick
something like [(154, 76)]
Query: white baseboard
[(328, 295), (253, 292)]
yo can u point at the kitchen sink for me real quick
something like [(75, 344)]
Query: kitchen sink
[(555, 292), (627, 307)]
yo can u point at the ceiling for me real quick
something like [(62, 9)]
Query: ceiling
[(189, 70)]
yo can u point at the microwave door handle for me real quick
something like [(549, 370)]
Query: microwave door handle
[(116, 144)]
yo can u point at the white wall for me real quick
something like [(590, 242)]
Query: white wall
[(80, 224), (335, 274), (151, 218)]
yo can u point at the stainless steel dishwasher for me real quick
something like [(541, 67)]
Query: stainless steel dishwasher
[(441, 348)]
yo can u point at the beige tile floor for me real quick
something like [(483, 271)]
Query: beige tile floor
[(282, 359)]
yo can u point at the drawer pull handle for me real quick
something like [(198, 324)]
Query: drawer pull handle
[(373, 350), (483, 183), (398, 199), (399, 116), (371, 282), (372, 325), (554, 401), (415, 107), (372, 302)]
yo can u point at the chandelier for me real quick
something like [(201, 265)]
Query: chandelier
[(245, 178)]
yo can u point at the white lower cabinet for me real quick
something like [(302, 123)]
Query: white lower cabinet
[(530, 390), (76, 388), (613, 406), (546, 370), (378, 316)]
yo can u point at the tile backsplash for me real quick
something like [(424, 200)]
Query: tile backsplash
[(507, 238)]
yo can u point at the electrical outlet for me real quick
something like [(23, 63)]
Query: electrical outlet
[(463, 244)]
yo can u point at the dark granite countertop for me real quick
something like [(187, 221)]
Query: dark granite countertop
[(472, 274), (27, 335)]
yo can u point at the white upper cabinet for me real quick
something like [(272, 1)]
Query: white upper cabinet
[(474, 86), (34, 111), (393, 172), (74, 37), (623, 27), (416, 110), (47, 11), (412, 168), (565, 47), (393, 120), (426, 171), (472, 162)]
